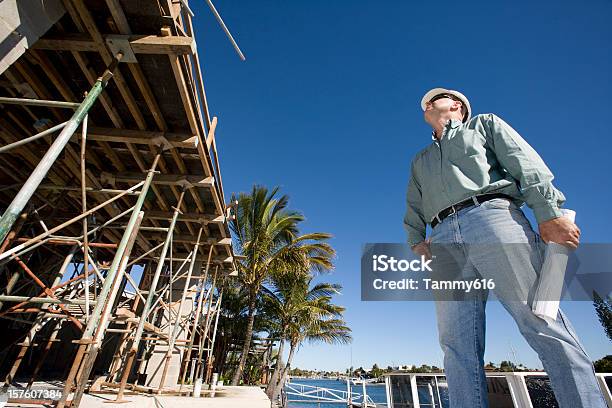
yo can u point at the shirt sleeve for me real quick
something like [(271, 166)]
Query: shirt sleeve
[(414, 222), (524, 164)]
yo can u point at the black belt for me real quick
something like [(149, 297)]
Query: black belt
[(464, 204)]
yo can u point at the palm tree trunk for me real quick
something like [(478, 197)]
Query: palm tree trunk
[(271, 387), (283, 376), (247, 339)]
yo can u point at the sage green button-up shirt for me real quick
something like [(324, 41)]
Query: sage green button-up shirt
[(484, 155)]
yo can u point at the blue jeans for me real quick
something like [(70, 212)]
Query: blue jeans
[(470, 249)]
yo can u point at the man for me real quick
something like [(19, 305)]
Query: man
[(468, 185)]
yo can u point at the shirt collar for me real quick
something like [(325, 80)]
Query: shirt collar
[(452, 123), (455, 123)]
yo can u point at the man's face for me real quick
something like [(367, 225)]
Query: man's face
[(436, 108)]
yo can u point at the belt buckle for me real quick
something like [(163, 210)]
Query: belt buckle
[(452, 207)]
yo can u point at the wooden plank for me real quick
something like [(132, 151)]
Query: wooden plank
[(108, 106), (185, 95), (55, 76), (189, 239), (81, 13), (152, 44), (209, 124), (88, 21), (187, 104), (121, 25), (186, 217), (186, 180), (194, 126), (145, 137), (141, 44), (211, 133), (79, 43), (91, 76), (221, 259)]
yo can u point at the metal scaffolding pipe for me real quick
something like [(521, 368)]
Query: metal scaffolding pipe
[(72, 241), (147, 305), (37, 239), (175, 330), (105, 293), (26, 299), (32, 138), (171, 280), (41, 170), (12, 281), (206, 323), (39, 102), (196, 323), (84, 209), (96, 343), (225, 29), (105, 318), (89, 189), (40, 319), (47, 291), (155, 248), (209, 361)]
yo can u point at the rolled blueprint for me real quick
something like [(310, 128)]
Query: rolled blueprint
[(552, 276)]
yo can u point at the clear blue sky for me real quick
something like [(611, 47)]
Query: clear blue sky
[(327, 107)]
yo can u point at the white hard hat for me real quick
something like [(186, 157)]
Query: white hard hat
[(437, 91)]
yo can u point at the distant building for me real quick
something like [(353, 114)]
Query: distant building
[(407, 367)]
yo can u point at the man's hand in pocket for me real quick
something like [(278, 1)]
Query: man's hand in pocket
[(423, 248)]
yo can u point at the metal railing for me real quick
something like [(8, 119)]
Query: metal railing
[(304, 393), (420, 390)]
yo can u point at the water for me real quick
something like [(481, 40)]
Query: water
[(375, 391)]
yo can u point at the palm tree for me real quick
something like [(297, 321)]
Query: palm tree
[(302, 313), (280, 305), (267, 239), (315, 329)]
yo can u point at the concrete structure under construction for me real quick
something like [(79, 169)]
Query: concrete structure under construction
[(114, 237)]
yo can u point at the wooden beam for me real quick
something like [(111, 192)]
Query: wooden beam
[(189, 239), (152, 44), (211, 133), (122, 26), (220, 259), (186, 180), (141, 44), (187, 217), (164, 139), (84, 21)]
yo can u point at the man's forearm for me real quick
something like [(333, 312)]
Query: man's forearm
[(525, 165)]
